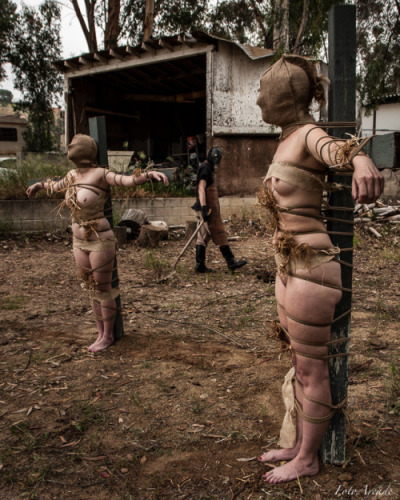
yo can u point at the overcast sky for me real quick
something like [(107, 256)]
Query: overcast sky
[(73, 41)]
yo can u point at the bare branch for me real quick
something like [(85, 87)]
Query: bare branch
[(259, 22), (300, 32), (112, 27)]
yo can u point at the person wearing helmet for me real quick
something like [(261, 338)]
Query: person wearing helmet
[(207, 208)]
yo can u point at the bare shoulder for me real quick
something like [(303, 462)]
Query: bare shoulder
[(100, 175), (311, 131)]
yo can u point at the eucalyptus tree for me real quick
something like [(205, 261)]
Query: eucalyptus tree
[(36, 43), (378, 36), (8, 18)]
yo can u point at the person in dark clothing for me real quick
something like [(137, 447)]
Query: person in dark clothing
[(207, 209)]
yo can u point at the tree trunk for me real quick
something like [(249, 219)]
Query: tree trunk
[(260, 22), (112, 27), (162, 226), (281, 26), (133, 220), (300, 33), (149, 236), (191, 226), (89, 30), (148, 19)]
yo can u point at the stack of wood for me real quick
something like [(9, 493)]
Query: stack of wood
[(376, 212)]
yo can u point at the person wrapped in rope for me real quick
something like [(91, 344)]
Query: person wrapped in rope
[(308, 282), (86, 189)]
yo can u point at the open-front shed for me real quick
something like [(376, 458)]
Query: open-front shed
[(158, 94)]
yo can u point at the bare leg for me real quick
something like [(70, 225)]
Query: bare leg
[(305, 463), (105, 310), (83, 264), (276, 455), (96, 307), (315, 304)]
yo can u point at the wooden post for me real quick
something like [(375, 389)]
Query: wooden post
[(97, 130), (342, 107)]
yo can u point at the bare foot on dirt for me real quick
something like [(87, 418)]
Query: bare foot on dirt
[(101, 344), (278, 455), (95, 342), (291, 471)]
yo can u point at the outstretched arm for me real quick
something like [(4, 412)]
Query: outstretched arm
[(53, 186), (133, 180), (368, 182)]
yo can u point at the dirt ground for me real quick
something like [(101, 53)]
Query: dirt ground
[(181, 406)]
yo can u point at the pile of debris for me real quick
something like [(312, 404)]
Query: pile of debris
[(377, 212)]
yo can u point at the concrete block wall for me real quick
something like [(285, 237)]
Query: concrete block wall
[(42, 215)]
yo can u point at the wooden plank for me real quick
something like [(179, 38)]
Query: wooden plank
[(94, 109), (187, 96), (74, 71), (385, 150), (97, 130), (342, 107)]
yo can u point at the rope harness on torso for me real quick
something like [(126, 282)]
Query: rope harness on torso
[(290, 255)]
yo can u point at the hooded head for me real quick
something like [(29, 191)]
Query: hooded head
[(214, 155), (82, 151), (287, 89)]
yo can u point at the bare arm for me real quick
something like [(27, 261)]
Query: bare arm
[(202, 192), (368, 182), (53, 186), (114, 179)]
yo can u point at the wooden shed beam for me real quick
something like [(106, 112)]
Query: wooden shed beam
[(145, 60), (71, 65), (185, 97), (150, 45), (134, 51), (116, 54), (100, 58), (189, 40), (96, 109), (85, 61), (165, 44)]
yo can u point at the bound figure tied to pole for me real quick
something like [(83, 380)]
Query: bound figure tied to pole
[(308, 282), (86, 189)]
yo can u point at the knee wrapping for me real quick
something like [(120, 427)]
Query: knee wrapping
[(106, 296)]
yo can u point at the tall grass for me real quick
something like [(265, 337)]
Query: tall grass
[(34, 167)]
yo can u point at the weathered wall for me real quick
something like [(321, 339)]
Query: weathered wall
[(244, 164), (235, 120), (41, 215), (234, 86)]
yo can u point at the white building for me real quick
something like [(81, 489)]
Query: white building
[(383, 120)]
